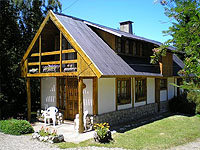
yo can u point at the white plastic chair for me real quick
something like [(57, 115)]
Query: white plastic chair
[(76, 120), (50, 113)]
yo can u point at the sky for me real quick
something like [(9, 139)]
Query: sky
[(148, 17)]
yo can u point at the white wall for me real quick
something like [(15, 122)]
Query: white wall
[(150, 90), (88, 95), (163, 95), (48, 92), (106, 95), (170, 88)]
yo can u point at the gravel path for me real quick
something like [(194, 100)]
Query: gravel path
[(189, 146), (24, 142)]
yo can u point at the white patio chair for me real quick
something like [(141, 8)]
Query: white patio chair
[(50, 113), (76, 120)]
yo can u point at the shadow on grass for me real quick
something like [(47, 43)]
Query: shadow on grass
[(126, 126)]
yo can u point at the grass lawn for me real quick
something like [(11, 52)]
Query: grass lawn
[(162, 134)]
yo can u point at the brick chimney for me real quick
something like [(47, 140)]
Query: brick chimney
[(126, 26)]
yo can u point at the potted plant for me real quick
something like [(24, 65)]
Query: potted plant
[(102, 133)]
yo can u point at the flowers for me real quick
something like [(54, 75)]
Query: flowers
[(102, 132), (46, 132), (51, 68)]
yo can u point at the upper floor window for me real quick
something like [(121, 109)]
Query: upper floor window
[(140, 89), (123, 90), (163, 84)]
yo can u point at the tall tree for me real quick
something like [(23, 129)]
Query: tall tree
[(185, 33), (19, 21)]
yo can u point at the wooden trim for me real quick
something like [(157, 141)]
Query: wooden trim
[(95, 96), (167, 90), (53, 53), (68, 51), (157, 92), (40, 91), (35, 38), (133, 92), (74, 44), (40, 47), (28, 89), (69, 61), (56, 74), (66, 98), (80, 101), (116, 93), (60, 51)]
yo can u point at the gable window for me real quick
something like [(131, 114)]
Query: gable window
[(118, 45), (127, 47), (163, 84), (123, 91), (140, 89)]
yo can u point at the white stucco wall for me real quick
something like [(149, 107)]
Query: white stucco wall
[(48, 92), (170, 88), (163, 95), (150, 90), (106, 95), (88, 95)]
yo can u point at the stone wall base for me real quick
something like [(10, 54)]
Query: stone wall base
[(164, 106), (121, 116)]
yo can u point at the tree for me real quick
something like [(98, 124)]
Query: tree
[(185, 33), (19, 21)]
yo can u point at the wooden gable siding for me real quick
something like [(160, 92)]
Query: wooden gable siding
[(166, 65), (85, 68), (107, 37)]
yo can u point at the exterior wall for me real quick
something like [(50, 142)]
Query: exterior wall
[(175, 89), (106, 95), (170, 88), (126, 115), (163, 95), (48, 92), (88, 96), (150, 90)]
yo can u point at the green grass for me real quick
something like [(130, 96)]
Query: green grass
[(162, 134)]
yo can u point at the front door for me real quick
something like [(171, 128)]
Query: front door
[(72, 98)]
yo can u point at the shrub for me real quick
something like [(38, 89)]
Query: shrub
[(46, 132), (182, 105), (15, 127)]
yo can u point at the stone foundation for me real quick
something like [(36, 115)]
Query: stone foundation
[(164, 106), (125, 115)]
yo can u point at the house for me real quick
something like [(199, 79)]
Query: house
[(86, 66)]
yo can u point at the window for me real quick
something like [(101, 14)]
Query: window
[(127, 47), (163, 84), (124, 91), (118, 45), (140, 90), (138, 47)]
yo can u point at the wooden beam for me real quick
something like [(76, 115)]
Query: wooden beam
[(57, 92), (35, 38), (53, 74), (69, 61), (68, 51), (28, 89), (116, 93), (133, 92), (40, 47), (157, 92), (35, 54), (60, 51), (80, 105), (95, 96)]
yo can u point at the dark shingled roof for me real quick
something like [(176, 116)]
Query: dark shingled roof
[(177, 65), (102, 56)]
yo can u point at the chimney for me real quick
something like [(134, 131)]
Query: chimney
[(126, 26)]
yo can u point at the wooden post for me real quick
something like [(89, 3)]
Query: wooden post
[(80, 101), (157, 92), (28, 89), (95, 96), (40, 49), (60, 51), (133, 91)]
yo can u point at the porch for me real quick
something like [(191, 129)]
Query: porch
[(67, 130)]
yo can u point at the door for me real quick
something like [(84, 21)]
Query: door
[(72, 98)]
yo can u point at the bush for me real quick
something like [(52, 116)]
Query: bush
[(182, 105), (15, 127)]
